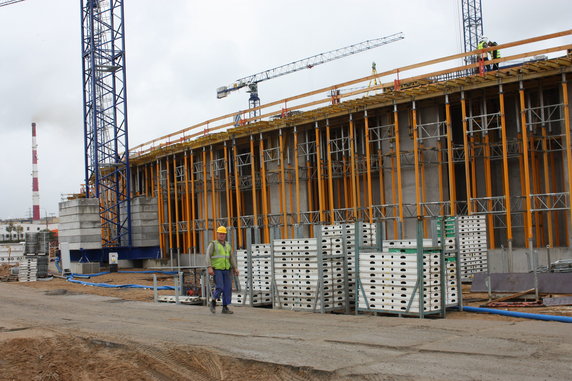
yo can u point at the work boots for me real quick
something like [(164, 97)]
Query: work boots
[(212, 306), (225, 310)]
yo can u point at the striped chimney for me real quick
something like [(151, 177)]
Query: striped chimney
[(35, 184)]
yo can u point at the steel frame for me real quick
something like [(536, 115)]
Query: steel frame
[(107, 169)]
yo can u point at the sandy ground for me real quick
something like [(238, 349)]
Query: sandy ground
[(112, 278), (56, 284)]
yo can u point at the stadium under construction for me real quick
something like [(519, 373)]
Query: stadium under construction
[(436, 138)]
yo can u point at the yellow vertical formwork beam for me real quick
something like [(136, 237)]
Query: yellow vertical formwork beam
[(347, 190), (319, 170), (474, 187), (290, 181), (283, 204), (554, 186), (253, 174), (169, 215), (450, 159), (214, 205), (489, 190), (566, 107), (506, 184), (330, 174), (297, 177), (394, 194), (228, 196), (193, 210), (263, 191), (547, 188), (423, 188), (187, 205), (368, 167), (205, 195), (353, 170), (237, 194), (440, 177), (535, 185), (382, 200), (401, 227), (416, 160), (160, 211), (528, 232), (466, 151), (310, 193), (522, 183), (152, 178), (176, 197)]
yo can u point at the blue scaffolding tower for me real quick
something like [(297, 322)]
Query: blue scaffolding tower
[(105, 117), (472, 23)]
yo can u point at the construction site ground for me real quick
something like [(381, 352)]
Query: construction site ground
[(56, 330)]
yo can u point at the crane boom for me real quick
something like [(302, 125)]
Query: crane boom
[(307, 63), (8, 2)]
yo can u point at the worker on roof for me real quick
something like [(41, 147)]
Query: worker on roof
[(495, 54), (483, 44), (221, 263)]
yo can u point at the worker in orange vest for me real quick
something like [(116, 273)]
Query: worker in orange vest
[(483, 44)]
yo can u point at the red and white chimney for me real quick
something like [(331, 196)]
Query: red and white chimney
[(35, 184)]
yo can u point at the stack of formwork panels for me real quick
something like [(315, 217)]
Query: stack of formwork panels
[(447, 231), (472, 233), (390, 282), (80, 224), (347, 232), (260, 271), (144, 227), (309, 274), (28, 269)]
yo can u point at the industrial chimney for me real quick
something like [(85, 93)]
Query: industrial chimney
[(35, 184)]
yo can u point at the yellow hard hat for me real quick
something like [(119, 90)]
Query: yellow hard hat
[(221, 229)]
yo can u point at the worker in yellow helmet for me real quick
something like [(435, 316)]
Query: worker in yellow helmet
[(483, 44), (220, 263)]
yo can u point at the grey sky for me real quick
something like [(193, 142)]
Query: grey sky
[(180, 51)]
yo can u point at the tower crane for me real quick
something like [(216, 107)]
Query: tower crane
[(8, 2), (307, 63), (107, 174), (472, 25)]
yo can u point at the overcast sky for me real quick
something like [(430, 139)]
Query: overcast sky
[(180, 51)]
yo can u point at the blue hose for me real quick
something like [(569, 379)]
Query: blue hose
[(524, 315), (106, 285)]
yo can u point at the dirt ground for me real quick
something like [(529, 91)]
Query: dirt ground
[(36, 355), (42, 339)]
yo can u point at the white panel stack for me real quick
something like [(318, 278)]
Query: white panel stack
[(261, 276), (80, 224), (450, 252), (144, 227), (388, 281), (367, 232), (297, 274), (28, 271), (472, 245), (410, 245)]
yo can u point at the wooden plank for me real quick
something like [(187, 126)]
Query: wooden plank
[(513, 296)]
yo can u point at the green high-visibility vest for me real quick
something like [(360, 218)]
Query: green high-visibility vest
[(482, 45), (220, 259)]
